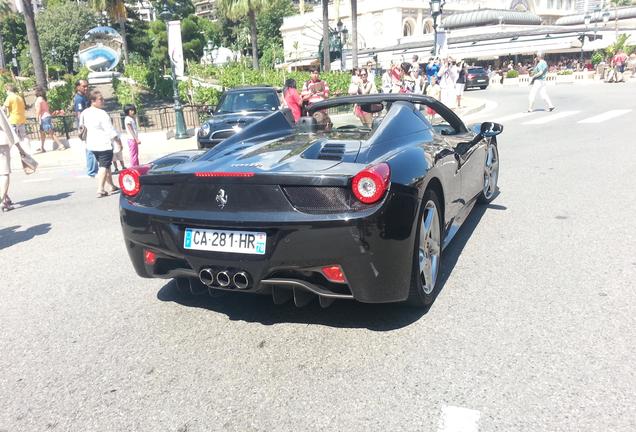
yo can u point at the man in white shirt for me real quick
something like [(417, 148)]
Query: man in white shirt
[(100, 134)]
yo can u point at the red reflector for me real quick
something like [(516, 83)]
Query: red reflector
[(334, 273), (150, 257), (224, 174)]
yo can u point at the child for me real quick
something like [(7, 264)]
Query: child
[(434, 91), (131, 127)]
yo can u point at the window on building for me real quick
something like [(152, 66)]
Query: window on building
[(407, 29)]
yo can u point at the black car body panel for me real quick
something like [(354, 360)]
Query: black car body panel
[(237, 109), (477, 77), (295, 186)]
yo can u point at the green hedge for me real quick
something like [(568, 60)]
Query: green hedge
[(512, 74)]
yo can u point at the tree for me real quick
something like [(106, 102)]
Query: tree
[(61, 29), (12, 34), (270, 19), (326, 49), (354, 33), (116, 10), (34, 44), (236, 9)]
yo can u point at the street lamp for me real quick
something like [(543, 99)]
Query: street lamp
[(180, 129), (586, 21), (436, 12), (343, 33), (606, 17)]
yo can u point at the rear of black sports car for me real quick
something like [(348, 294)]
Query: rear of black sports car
[(283, 232)]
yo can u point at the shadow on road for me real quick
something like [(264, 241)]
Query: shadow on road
[(260, 309), (455, 248), (341, 314), (10, 236), (43, 199)]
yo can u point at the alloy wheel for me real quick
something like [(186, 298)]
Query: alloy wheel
[(430, 247), (491, 172)]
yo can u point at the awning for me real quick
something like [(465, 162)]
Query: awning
[(482, 17), (623, 13)]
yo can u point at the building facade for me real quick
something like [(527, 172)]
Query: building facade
[(386, 29), (205, 9)]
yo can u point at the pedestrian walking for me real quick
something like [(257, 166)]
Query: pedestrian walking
[(100, 134), (45, 120), (130, 123), (80, 103), (618, 62), (16, 113), (292, 98), (7, 140), (537, 83), (460, 85)]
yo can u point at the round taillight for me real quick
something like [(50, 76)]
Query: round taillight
[(370, 184), (129, 180)]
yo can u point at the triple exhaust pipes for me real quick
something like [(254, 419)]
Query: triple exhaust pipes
[(223, 278)]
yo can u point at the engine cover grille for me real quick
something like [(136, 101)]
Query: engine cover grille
[(311, 199)]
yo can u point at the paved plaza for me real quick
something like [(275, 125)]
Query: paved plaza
[(534, 328)]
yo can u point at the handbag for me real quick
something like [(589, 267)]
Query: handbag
[(82, 131), (28, 163)]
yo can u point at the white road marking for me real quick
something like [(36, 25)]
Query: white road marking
[(458, 419), (37, 180), (550, 117), (606, 116), (490, 106), (511, 117)]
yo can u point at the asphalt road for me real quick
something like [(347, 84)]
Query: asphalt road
[(534, 329)]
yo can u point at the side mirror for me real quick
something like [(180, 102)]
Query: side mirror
[(490, 129)]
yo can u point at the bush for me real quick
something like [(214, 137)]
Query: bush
[(565, 72), (597, 57), (61, 97), (512, 74)]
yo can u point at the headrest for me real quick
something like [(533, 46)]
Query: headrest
[(306, 124)]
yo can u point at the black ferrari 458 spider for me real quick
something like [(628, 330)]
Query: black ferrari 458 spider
[(329, 207)]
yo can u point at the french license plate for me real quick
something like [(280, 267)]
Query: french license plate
[(481, 80), (245, 242)]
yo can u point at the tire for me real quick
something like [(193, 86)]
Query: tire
[(491, 174), (483, 87), (427, 253)]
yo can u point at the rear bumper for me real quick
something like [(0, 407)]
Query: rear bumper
[(477, 82), (375, 248)]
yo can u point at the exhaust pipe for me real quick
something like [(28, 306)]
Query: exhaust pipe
[(223, 278), (206, 276), (241, 280)]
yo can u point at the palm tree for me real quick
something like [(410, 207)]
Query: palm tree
[(116, 10), (34, 45), (326, 54), (236, 9), (616, 4), (354, 33)]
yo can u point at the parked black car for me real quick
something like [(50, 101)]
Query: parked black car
[(237, 108), (332, 209), (477, 77)]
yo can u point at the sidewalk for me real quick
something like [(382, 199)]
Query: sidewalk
[(153, 145)]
